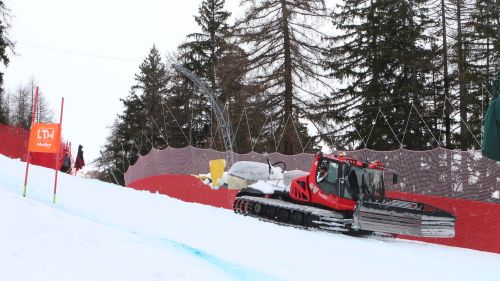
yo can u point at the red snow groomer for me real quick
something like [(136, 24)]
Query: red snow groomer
[(346, 195)]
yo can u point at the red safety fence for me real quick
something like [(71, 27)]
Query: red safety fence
[(477, 226), (48, 160), (14, 144), (187, 188), (438, 172)]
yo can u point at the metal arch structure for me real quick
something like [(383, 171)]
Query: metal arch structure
[(221, 113)]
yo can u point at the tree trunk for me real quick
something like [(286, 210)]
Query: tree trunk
[(288, 142), (498, 21), (213, 56), (461, 80), (447, 106), (374, 89)]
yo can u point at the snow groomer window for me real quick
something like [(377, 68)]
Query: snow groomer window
[(327, 177)]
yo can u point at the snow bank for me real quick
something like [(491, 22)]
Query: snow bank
[(99, 231)]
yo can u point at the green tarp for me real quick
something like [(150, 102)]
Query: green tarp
[(491, 137)]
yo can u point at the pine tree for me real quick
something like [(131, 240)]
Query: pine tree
[(124, 145), (189, 114), (5, 45), (469, 50), (187, 106), (460, 8), (483, 52), (220, 63), (412, 71), (285, 57), (470, 53), (442, 79), (353, 57), (439, 83), (382, 59), (151, 83), (201, 55), (485, 48), (205, 49), (141, 126)]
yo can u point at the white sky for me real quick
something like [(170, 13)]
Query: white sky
[(60, 43)]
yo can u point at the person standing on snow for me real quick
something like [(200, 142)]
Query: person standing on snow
[(79, 163), (66, 166)]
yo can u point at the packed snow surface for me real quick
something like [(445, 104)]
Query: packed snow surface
[(98, 231)]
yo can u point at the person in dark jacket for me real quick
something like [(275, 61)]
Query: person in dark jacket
[(79, 163), (66, 165)]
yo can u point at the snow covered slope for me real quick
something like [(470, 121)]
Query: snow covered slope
[(98, 231)]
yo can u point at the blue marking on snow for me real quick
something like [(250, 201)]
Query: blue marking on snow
[(236, 271)]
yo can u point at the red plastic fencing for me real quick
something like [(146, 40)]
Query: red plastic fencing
[(193, 160), (438, 172), (477, 225), (187, 188), (47, 160), (14, 144)]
